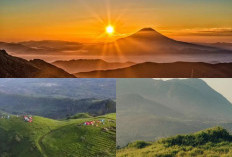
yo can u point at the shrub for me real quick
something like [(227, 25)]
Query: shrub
[(139, 144)]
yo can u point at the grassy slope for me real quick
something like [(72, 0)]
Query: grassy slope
[(46, 137), (213, 142)]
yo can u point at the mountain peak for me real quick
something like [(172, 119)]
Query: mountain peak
[(3, 52), (150, 34), (148, 29)]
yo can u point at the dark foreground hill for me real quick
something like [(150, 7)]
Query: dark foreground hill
[(215, 142), (14, 67), (51, 138), (165, 70)]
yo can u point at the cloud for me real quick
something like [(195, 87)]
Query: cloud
[(201, 32)]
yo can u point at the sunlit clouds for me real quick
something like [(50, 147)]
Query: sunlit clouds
[(86, 21)]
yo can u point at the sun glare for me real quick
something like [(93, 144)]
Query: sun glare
[(109, 30)]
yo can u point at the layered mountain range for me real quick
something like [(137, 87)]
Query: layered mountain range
[(146, 41), (146, 44)]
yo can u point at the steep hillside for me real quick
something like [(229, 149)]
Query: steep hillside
[(211, 142), (192, 97), (57, 108), (167, 108), (46, 137), (85, 65), (14, 67), (164, 70)]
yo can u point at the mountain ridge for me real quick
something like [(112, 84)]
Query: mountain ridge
[(15, 67), (83, 65), (215, 141), (165, 70)]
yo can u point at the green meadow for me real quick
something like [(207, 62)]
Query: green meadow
[(58, 138)]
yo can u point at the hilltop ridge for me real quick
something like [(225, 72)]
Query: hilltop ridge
[(15, 67), (214, 141)]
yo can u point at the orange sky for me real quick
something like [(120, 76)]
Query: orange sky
[(85, 21)]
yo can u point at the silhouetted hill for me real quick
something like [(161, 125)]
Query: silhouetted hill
[(20, 68), (49, 70), (165, 70), (149, 42), (84, 65), (17, 48), (149, 35), (210, 142), (44, 47)]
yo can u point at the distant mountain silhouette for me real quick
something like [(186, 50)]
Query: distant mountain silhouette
[(149, 34), (84, 65), (16, 67), (165, 70), (146, 41), (43, 47), (53, 45)]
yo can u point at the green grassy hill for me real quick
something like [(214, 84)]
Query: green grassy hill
[(214, 142), (67, 138)]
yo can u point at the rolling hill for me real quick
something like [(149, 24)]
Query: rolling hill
[(14, 67), (46, 137), (84, 65), (167, 108), (215, 142), (164, 70)]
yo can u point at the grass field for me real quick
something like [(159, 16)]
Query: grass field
[(47, 137), (214, 142)]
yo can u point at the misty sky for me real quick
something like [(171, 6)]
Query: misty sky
[(84, 20), (221, 85)]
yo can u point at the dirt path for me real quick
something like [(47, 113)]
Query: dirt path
[(40, 142)]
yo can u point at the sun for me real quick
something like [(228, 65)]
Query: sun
[(110, 30)]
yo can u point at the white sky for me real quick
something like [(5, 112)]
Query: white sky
[(221, 85)]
